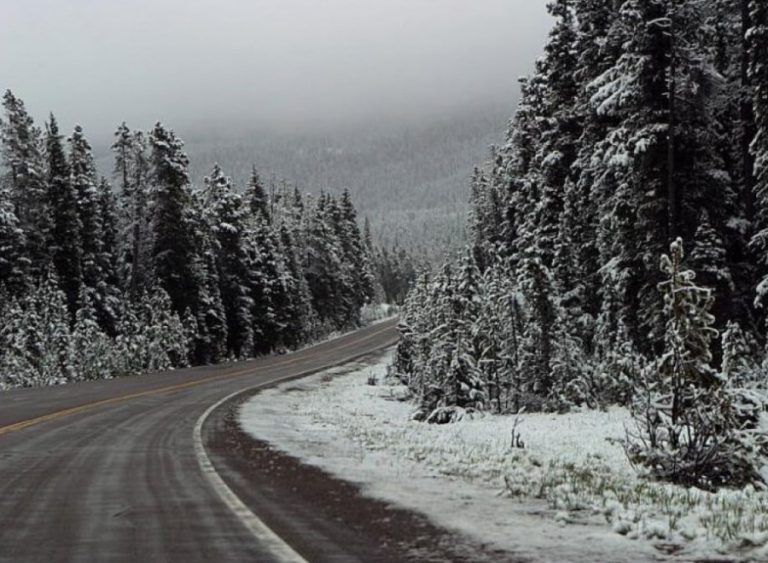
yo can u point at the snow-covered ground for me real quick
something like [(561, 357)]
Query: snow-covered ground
[(568, 495)]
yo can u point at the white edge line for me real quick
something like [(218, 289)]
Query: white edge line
[(267, 538)]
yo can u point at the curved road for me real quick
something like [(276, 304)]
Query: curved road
[(107, 470)]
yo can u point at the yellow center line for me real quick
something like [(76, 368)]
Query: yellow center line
[(170, 388)]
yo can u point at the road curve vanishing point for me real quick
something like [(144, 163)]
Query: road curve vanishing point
[(116, 470)]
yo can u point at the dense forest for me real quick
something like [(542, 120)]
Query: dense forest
[(100, 280), (641, 134)]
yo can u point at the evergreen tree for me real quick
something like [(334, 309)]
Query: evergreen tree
[(173, 250), (132, 172), (46, 344), (66, 229), (12, 262), (109, 290), (25, 179), (256, 197), (209, 345), (355, 252), (226, 218), (758, 72), (738, 353), (263, 283), (164, 343), (687, 431), (84, 183), (92, 348), (297, 316), (324, 268)]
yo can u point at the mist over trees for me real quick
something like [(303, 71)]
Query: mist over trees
[(407, 177), (100, 280), (644, 123)]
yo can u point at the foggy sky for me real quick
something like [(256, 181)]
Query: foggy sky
[(283, 62)]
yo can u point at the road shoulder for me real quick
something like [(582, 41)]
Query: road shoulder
[(322, 517)]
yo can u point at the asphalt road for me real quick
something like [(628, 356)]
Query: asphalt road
[(108, 470)]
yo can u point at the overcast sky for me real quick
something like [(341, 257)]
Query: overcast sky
[(292, 62)]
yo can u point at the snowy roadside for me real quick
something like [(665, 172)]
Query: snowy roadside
[(570, 495)]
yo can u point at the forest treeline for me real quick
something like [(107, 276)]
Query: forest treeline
[(147, 272), (645, 123)]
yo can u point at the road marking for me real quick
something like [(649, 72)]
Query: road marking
[(266, 537), (170, 388)]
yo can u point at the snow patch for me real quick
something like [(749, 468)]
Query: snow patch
[(455, 474)]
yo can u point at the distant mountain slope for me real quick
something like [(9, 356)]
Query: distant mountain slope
[(411, 181)]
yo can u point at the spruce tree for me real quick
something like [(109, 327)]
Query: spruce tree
[(678, 429), (25, 179), (66, 229), (256, 196), (298, 317), (12, 262), (758, 71), (173, 245), (263, 283), (92, 348), (132, 173), (226, 218), (109, 291), (84, 183)]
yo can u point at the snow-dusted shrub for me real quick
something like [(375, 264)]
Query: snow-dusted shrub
[(693, 427)]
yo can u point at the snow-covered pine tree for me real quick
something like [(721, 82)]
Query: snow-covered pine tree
[(496, 335), (522, 178), (84, 182), (46, 345), (93, 351), (108, 311), (482, 218), (757, 38), (630, 163), (173, 251), (12, 262), (150, 336), (559, 127), (66, 229), (349, 296), (535, 282), (225, 217), (709, 258), (738, 353), (297, 317), (452, 382), (25, 179), (163, 338), (355, 252), (132, 174), (16, 367), (265, 290), (597, 50), (256, 196), (688, 431), (209, 344), (323, 266)]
